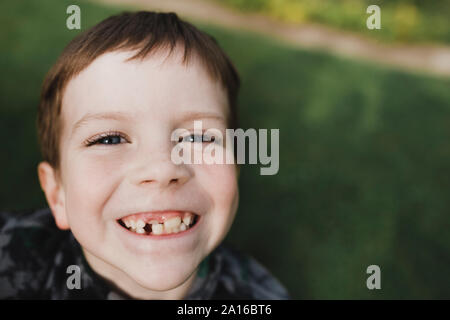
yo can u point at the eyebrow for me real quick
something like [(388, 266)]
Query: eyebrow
[(189, 116), (99, 116)]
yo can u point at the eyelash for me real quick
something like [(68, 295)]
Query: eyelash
[(211, 138), (97, 138)]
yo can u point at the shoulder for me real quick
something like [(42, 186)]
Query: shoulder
[(32, 231), (243, 277), (28, 241)]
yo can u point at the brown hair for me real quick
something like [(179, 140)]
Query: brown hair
[(142, 31)]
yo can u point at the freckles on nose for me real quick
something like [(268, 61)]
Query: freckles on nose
[(162, 173)]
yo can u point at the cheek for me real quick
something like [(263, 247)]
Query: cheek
[(89, 184), (220, 182)]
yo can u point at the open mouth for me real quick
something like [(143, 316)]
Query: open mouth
[(159, 224)]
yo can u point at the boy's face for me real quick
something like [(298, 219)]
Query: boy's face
[(140, 103)]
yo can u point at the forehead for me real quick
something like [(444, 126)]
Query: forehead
[(159, 85)]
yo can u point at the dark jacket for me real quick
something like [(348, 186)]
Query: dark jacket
[(35, 256)]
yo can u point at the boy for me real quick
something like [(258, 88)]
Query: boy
[(140, 226)]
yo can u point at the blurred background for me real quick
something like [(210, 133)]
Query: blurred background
[(364, 119)]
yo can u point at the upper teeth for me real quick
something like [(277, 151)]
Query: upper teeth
[(187, 219), (157, 228), (172, 225), (140, 224)]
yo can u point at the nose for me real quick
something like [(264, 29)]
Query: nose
[(160, 172)]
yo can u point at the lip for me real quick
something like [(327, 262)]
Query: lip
[(157, 245), (148, 237), (160, 216)]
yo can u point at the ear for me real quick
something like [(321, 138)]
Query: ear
[(54, 193)]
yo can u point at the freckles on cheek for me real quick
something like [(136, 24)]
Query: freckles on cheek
[(220, 181), (94, 171), (91, 182)]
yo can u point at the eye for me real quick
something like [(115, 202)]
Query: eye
[(106, 139), (197, 138), (110, 140)]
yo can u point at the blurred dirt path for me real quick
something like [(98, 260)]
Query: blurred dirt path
[(433, 59)]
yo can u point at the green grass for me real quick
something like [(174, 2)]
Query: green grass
[(364, 157), (401, 20)]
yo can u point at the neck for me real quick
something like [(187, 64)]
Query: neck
[(122, 283)]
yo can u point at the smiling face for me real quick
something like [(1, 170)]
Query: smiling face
[(115, 151)]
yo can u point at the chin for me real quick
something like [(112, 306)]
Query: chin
[(162, 277)]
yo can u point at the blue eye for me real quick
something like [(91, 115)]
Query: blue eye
[(110, 140), (196, 138), (106, 139)]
